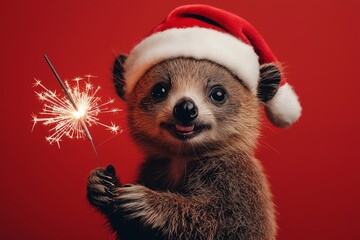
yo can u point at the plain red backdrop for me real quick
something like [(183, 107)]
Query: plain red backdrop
[(313, 167)]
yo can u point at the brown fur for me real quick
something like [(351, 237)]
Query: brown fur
[(208, 187)]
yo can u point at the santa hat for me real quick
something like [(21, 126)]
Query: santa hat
[(204, 32)]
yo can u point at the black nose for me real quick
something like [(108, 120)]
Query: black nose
[(185, 110)]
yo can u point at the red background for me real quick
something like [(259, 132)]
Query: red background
[(313, 167)]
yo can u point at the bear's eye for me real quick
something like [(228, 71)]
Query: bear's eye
[(159, 91), (218, 95)]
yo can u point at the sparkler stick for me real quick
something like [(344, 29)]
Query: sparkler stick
[(86, 130)]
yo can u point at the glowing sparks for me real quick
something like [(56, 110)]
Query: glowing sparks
[(66, 120), (114, 128)]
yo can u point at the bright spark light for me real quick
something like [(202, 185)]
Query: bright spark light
[(59, 113)]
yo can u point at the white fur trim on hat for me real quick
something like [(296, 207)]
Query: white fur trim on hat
[(284, 108), (199, 43)]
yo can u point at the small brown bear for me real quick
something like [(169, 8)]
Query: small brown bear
[(194, 89)]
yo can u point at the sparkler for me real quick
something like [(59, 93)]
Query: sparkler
[(71, 115)]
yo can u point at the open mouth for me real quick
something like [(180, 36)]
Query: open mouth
[(184, 132)]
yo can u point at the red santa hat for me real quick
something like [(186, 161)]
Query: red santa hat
[(204, 32)]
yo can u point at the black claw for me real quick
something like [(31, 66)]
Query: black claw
[(127, 185), (110, 170)]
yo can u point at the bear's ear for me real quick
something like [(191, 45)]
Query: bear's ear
[(118, 75), (270, 77)]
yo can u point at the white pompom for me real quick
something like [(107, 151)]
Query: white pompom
[(284, 108)]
